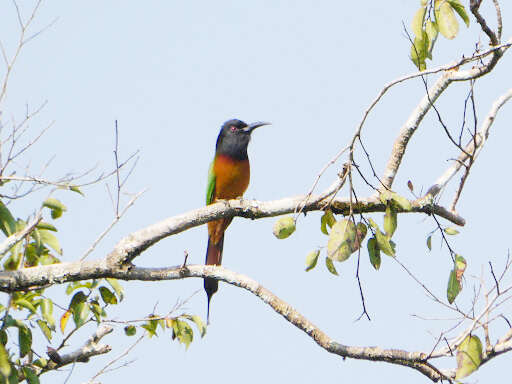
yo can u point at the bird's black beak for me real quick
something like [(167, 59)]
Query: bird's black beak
[(251, 127)]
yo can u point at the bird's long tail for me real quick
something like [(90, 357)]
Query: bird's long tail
[(213, 257)]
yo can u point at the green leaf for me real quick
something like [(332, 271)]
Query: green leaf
[(13, 377), (460, 266), (383, 242), (284, 227), (21, 302), (330, 266), (81, 314), (374, 253), (33, 251), (54, 204), (25, 340), (30, 375), (56, 213), (327, 220), (45, 329), (80, 284), (429, 243), (13, 261), (432, 32), (116, 286), (311, 260), (455, 279), (385, 196), (201, 326), (130, 330), (390, 221), (419, 53), (77, 298), (341, 240), (79, 308), (7, 222), (107, 296), (161, 322), (183, 332), (50, 240), (76, 189), (454, 287), (11, 322), (97, 311), (151, 327), (417, 20), (459, 8), (445, 19), (48, 259), (401, 202), (41, 362), (469, 356), (5, 366), (38, 244), (47, 312), (451, 231)]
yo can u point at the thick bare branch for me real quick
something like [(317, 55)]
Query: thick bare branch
[(474, 6), (90, 348), (416, 360), (134, 244)]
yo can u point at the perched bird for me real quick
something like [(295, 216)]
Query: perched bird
[(228, 178)]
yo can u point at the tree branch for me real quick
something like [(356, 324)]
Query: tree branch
[(15, 237), (90, 348), (479, 140), (417, 115), (134, 244)]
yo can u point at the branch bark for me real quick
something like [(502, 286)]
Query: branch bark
[(134, 244), (91, 348), (15, 237)]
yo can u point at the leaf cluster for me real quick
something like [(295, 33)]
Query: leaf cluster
[(179, 326), (432, 18)]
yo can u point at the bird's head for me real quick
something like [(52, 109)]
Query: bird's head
[(234, 137)]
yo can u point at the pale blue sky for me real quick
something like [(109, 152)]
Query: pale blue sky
[(171, 73)]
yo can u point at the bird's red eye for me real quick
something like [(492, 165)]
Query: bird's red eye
[(233, 128)]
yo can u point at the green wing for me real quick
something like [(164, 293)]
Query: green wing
[(210, 189)]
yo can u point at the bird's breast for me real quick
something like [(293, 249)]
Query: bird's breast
[(231, 177)]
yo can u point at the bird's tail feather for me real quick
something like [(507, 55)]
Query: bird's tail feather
[(213, 257)]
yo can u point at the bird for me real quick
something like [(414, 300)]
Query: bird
[(228, 178)]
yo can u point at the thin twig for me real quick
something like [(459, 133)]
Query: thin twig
[(126, 352), (495, 280), (114, 222), (116, 150)]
